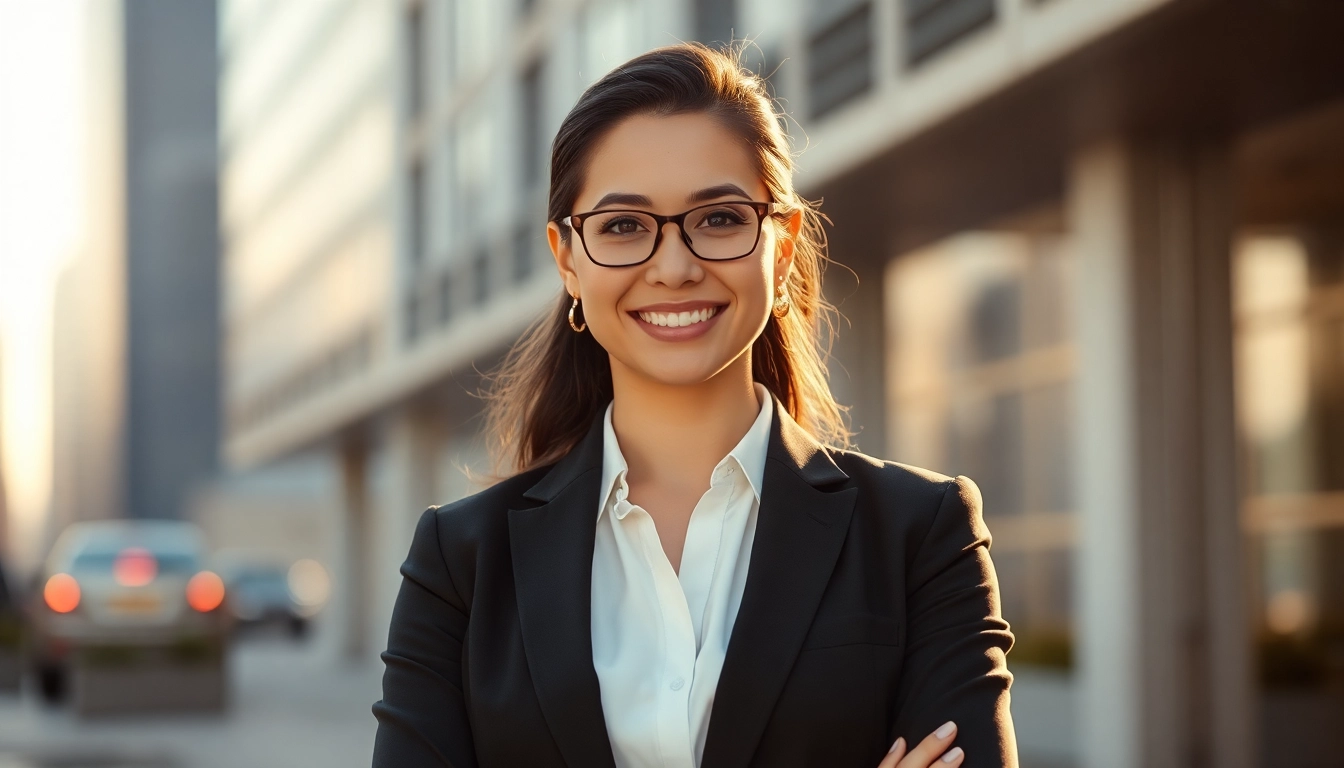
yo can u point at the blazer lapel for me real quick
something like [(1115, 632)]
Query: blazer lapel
[(552, 551), (800, 528), (799, 531)]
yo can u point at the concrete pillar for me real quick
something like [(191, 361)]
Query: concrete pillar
[(1231, 734), (352, 583), (411, 443), (1108, 611), (1163, 647)]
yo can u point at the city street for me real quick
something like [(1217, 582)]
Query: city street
[(292, 706)]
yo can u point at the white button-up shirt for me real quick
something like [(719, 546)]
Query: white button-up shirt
[(659, 635)]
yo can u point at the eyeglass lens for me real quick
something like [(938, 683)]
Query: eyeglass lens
[(724, 231)]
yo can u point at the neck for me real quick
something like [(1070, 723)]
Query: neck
[(674, 434)]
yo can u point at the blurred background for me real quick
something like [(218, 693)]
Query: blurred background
[(254, 256)]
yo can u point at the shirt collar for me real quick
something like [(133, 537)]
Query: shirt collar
[(748, 455)]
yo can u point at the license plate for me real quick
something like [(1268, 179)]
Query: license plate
[(134, 603)]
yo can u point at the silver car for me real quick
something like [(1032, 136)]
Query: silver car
[(126, 603)]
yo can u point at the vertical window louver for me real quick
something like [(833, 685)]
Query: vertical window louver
[(932, 26), (530, 152), (840, 58)]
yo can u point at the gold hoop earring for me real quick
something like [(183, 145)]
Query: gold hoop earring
[(782, 305), (572, 307)]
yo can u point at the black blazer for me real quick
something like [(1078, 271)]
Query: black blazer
[(870, 611)]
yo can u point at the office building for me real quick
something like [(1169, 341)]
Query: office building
[(136, 330), (1098, 259)]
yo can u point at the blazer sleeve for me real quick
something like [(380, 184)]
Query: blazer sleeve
[(422, 717), (956, 639)]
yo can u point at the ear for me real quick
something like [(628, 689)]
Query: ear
[(788, 238), (564, 257)]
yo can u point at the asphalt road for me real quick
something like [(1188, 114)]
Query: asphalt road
[(291, 707)]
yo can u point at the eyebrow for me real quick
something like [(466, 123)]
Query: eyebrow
[(703, 195)]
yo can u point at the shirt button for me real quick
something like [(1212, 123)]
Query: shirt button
[(677, 683)]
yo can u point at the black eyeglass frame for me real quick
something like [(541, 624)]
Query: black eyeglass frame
[(575, 222)]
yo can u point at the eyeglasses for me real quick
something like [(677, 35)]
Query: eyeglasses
[(714, 232)]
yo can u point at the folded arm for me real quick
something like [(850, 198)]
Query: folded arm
[(957, 641)]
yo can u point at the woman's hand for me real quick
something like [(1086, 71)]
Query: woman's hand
[(928, 751)]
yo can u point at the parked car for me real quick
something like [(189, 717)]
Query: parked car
[(121, 601), (261, 594), (11, 634)]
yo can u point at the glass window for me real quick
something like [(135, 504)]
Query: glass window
[(526, 250), (444, 297), (530, 128), (714, 20), (442, 209), (410, 325), (609, 35), (471, 37), (415, 62), (473, 171), (416, 213), (1289, 311), (980, 384), (480, 276)]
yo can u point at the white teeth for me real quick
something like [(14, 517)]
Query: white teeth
[(678, 319)]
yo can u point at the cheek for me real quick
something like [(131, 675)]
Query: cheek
[(751, 286), (601, 293)]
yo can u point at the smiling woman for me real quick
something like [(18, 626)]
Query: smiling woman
[(687, 566), (701, 135)]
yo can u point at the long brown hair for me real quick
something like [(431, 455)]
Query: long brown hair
[(553, 382)]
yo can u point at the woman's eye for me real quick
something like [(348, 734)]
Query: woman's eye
[(722, 219), (621, 226)]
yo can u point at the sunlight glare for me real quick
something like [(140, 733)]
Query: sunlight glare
[(40, 215)]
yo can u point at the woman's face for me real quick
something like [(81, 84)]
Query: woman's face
[(671, 161)]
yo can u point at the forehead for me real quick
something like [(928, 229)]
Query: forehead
[(666, 158)]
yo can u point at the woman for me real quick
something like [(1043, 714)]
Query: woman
[(687, 534)]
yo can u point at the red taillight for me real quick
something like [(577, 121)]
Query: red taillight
[(61, 593), (205, 591), (135, 567)]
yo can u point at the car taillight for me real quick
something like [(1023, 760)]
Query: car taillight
[(205, 591), (61, 593)]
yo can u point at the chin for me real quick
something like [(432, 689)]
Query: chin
[(681, 370), (678, 376)]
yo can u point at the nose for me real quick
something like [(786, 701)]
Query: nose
[(673, 263)]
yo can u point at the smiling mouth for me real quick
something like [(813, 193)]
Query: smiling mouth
[(679, 319)]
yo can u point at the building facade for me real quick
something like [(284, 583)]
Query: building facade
[(4, 494), (136, 333), (1093, 261), (172, 254)]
